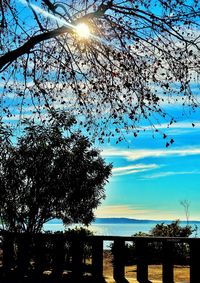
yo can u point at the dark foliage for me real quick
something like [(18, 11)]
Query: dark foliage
[(51, 171), (26, 254), (173, 229), (155, 250)]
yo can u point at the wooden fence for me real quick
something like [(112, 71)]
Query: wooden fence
[(25, 255)]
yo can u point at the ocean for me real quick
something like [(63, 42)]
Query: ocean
[(114, 229)]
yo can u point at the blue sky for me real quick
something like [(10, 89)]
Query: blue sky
[(149, 180)]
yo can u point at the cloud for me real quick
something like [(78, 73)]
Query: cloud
[(175, 126), (170, 173), (135, 211), (133, 169), (136, 154), (121, 211)]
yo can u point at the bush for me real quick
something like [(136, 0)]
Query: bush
[(155, 250)]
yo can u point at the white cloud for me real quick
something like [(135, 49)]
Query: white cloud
[(133, 169), (135, 211), (146, 153), (121, 211), (175, 129), (177, 126), (171, 173)]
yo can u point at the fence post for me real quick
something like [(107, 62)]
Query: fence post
[(23, 254), (97, 257), (40, 253), (118, 259), (58, 254), (168, 267), (77, 257), (8, 252), (194, 261), (142, 263)]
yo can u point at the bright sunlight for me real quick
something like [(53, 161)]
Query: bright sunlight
[(83, 30)]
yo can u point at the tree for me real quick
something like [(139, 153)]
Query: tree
[(138, 55), (186, 205), (51, 172)]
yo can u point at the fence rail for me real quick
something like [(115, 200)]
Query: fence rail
[(26, 255)]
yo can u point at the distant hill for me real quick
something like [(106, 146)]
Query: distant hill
[(122, 221), (113, 220)]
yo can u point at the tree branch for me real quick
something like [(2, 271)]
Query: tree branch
[(11, 56)]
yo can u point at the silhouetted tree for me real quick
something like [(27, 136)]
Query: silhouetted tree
[(139, 55), (50, 171), (186, 205)]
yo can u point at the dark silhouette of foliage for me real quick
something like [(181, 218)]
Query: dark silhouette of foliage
[(173, 229), (51, 171), (140, 54), (155, 249), (82, 233), (180, 251)]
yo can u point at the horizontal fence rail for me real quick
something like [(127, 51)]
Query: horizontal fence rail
[(30, 255)]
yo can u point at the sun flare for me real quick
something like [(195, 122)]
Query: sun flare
[(83, 30)]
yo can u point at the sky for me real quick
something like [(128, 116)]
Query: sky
[(149, 181)]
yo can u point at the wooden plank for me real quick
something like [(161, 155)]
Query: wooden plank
[(194, 261), (23, 242), (168, 268), (77, 257), (97, 258), (40, 250), (8, 252), (118, 259), (58, 255), (142, 263)]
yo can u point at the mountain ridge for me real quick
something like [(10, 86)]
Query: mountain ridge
[(124, 220)]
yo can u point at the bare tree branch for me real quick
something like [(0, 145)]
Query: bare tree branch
[(139, 56)]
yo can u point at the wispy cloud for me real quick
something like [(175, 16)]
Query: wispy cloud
[(133, 169), (121, 211), (136, 154), (177, 126), (171, 173)]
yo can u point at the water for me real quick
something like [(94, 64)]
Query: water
[(114, 229)]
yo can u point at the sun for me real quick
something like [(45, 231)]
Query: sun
[(83, 30)]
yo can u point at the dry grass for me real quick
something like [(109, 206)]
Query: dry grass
[(181, 273)]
